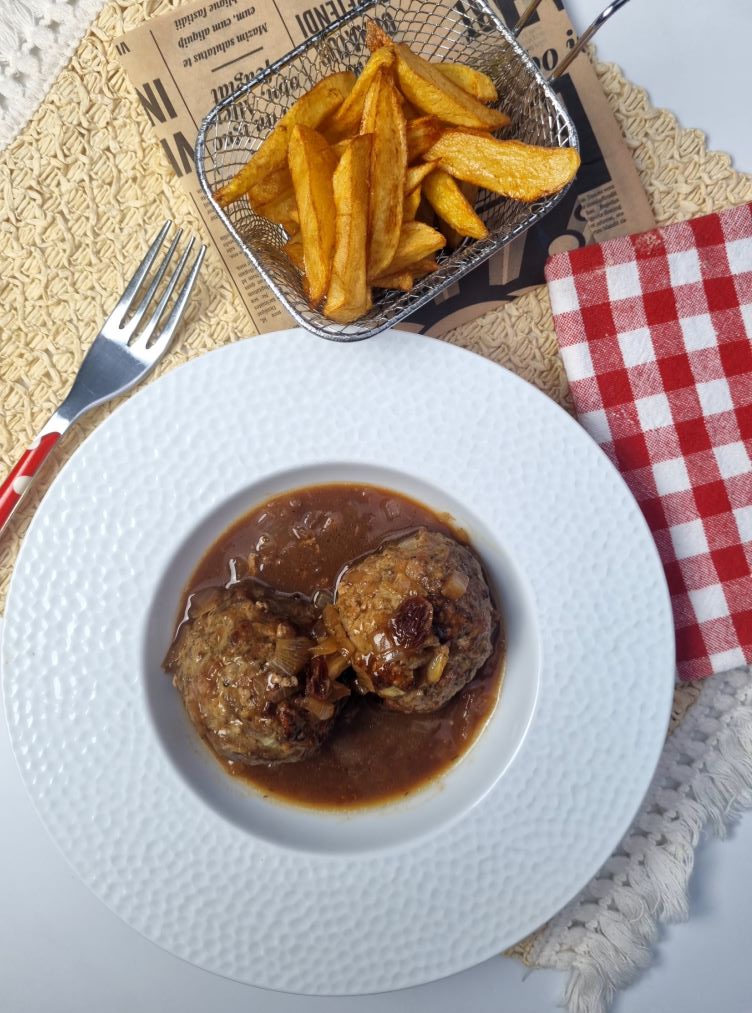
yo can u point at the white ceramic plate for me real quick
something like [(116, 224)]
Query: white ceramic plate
[(288, 898)]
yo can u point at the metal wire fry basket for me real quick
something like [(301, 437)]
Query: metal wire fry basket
[(470, 32)]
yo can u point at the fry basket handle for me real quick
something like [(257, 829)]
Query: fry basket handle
[(582, 41)]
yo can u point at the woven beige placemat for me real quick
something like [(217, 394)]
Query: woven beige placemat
[(85, 184)]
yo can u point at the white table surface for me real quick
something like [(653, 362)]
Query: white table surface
[(62, 951)]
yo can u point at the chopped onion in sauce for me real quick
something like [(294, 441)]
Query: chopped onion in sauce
[(437, 664), (364, 682), (329, 645), (291, 654), (320, 709), (336, 664), (336, 629), (455, 585)]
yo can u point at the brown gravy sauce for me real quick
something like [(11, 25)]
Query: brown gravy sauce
[(300, 541)]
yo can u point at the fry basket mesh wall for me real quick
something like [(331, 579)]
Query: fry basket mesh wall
[(235, 129)]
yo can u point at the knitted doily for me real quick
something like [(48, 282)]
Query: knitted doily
[(37, 38), (85, 184)]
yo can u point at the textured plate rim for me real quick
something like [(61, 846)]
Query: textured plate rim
[(492, 947)]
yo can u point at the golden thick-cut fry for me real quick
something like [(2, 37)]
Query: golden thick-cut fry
[(376, 37), (340, 147), (425, 266), (416, 241), (521, 171), (410, 205), (312, 163), (426, 87), (283, 210), (470, 193), (450, 204), (310, 110), (474, 82), (346, 120), (402, 282), (382, 116), (272, 187), (294, 250), (370, 103), (268, 161), (421, 134), (348, 296), (416, 174), (405, 279)]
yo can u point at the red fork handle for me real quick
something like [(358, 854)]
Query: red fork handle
[(16, 484)]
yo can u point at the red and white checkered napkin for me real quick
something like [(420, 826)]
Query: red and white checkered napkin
[(655, 332)]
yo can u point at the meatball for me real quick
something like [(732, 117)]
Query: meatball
[(420, 619), (243, 665)]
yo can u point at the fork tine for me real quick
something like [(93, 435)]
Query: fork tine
[(138, 314), (116, 317), (165, 335), (142, 338)]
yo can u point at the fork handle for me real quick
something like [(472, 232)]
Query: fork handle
[(20, 478)]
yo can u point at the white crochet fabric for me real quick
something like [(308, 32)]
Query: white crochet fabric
[(604, 937), (37, 38)]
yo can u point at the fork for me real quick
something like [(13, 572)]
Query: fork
[(127, 347)]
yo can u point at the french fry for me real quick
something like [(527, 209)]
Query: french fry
[(426, 87), (424, 266), (294, 250), (283, 210), (402, 282), (310, 110), (349, 296), (274, 185), (382, 117), (474, 82), (450, 204), (370, 104), (521, 171), (421, 134), (410, 205), (470, 193), (376, 37), (416, 242), (345, 121), (312, 164), (416, 174)]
